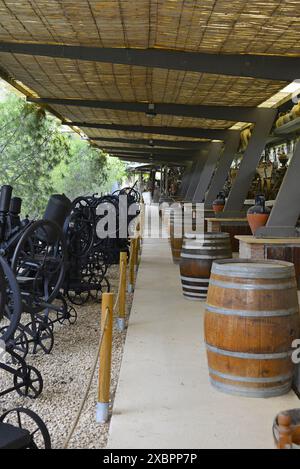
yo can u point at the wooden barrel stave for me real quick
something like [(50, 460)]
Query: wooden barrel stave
[(250, 325)]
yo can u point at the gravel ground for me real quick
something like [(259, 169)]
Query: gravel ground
[(66, 372)]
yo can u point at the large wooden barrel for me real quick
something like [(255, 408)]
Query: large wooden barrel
[(183, 218), (199, 251), (176, 234), (251, 321)]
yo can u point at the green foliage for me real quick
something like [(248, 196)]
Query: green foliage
[(84, 173), (31, 145), (38, 159)]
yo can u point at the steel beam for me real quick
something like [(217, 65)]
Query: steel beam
[(157, 161), (186, 179), (229, 113), (222, 171), (207, 172), (284, 216), (268, 67), (200, 162), (152, 143), (151, 151), (192, 132), (250, 161)]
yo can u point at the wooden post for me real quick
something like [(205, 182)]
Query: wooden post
[(132, 265), (285, 440), (105, 358), (122, 298)]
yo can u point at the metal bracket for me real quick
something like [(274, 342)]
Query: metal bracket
[(218, 181), (215, 149), (284, 216), (250, 161)]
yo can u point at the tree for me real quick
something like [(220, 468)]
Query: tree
[(31, 145), (84, 173), (38, 159)]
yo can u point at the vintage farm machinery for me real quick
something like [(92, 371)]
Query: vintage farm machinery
[(46, 262), (23, 429)]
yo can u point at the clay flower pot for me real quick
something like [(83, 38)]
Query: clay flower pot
[(219, 203), (258, 215)]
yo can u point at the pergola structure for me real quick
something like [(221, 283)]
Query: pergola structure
[(162, 80)]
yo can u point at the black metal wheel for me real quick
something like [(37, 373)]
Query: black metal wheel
[(78, 296), (10, 302), (39, 262), (29, 421), (70, 316), (18, 343), (28, 382), (40, 337), (81, 228)]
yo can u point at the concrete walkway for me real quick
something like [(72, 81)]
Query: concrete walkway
[(164, 399)]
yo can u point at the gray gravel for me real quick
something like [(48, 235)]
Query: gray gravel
[(66, 372)]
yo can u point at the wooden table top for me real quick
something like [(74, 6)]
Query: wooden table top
[(253, 240)]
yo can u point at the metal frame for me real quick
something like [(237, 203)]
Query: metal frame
[(250, 161), (192, 132), (218, 181), (284, 216), (267, 67), (214, 153), (229, 113), (183, 153), (152, 143)]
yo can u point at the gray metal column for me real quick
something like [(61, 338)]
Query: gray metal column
[(196, 174), (284, 216), (186, 179), (207, 172), (249, 163), (218, 181)]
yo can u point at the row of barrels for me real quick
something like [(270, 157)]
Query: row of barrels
[(252, 313)]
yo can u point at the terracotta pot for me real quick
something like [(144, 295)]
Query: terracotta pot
[(257, 220), (259, 214), (218, 208), (219, 204)]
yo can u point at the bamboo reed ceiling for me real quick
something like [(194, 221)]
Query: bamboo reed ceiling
[(213, 26)]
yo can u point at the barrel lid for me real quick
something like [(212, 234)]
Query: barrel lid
[(253, 269)]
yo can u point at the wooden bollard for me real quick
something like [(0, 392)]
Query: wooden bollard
[(285, 439), (105, 358), (132, 262), (122, 297)]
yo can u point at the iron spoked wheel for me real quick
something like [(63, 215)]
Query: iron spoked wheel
[(40, 337), (39, 261), (28, 382), (10, 302), (70, 316), (81, 229), (78, 296), (29, 421), (18, 343)]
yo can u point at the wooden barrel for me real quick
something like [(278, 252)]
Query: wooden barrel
[(199, 251), (182, 219), (176, 235), (251, 320)]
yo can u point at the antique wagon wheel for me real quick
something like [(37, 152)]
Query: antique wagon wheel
[(29, 421), (81, 228), (39, 262), (10, 302), (28, 382)]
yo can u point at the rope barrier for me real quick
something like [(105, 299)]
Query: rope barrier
[(86, 394)]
